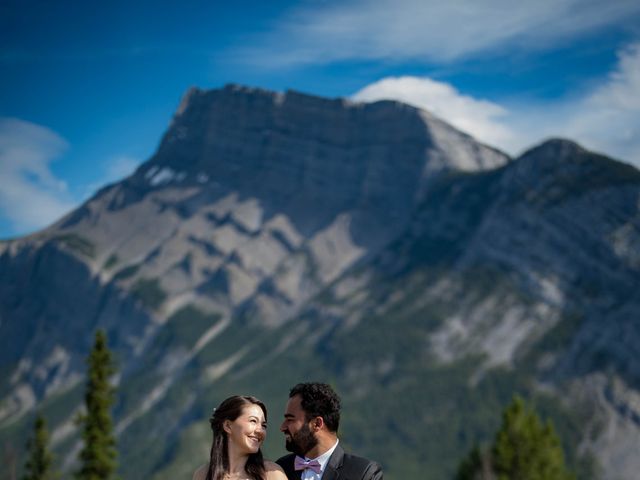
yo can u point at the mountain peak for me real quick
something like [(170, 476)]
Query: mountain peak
[(274, 144), (560, 153), (559, 168), (557, 148)]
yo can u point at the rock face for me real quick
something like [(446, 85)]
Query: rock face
[(276, 237), (249, 192)]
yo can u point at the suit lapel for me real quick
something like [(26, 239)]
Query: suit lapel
[(332, 470)]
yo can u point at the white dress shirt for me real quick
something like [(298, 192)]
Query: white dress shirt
[(323, 459)]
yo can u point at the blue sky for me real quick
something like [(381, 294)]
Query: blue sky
[(87, 89)]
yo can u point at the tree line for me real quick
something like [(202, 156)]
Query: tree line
[(524, 447)]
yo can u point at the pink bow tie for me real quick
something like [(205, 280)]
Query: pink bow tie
[(302, 464)]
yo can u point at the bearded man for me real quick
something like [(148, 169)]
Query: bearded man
[(310, 427)]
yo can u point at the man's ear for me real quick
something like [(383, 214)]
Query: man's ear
[(317, 424)]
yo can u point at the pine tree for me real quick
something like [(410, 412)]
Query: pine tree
[(98, 455), (525, 449), (39, 465), (477, 466)]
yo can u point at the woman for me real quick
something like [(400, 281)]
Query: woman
[(239, 427)]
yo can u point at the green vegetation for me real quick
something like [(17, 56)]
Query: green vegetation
[(584, 173), (477, 466), (149, 292), (126, 272), (98, 455), (111, 261), (39, 464), (181, 331), (186, 326), (5, 377), (554, 340), (401, 405), (193, 448), (77, 243), (524, 449)]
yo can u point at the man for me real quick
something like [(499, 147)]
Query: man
[(310, 428)]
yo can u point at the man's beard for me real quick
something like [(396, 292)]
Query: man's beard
[(303, 441)]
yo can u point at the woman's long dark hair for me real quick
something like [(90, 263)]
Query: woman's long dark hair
[(231, 409)]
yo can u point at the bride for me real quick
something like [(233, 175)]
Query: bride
[(239, 427)]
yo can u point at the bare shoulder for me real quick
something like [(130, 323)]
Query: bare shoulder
[(200, 473), (274, 471)]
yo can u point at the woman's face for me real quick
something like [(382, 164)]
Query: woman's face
[(247, 432)]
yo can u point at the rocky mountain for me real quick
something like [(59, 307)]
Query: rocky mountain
[(275, 238)]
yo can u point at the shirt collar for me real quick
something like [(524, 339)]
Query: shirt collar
[(324, 458)]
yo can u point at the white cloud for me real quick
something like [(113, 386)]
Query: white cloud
[(427, 30), (31, 196), (480, 118), (606, 119)]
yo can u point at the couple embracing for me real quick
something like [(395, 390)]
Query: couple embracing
[(310, 428)]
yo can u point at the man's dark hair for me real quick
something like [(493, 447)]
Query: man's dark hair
[(319, 400)]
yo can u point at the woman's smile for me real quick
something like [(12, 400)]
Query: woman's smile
[(248, 431)]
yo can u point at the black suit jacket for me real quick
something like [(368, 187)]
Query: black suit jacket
[(341, 466)]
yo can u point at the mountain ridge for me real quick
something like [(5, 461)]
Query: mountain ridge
[(248, 228)]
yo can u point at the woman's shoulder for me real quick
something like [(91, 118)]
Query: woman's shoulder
[(274, 471), (200, 473)]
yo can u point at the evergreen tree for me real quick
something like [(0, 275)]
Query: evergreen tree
[(477, 466), (524, 449), (39, 465), (98, 455)]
